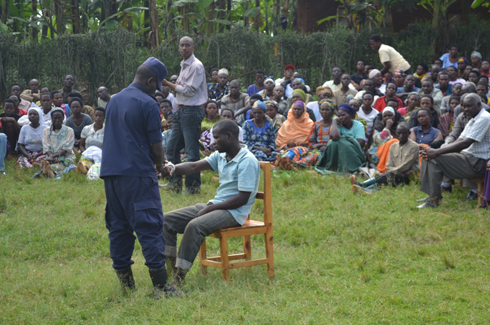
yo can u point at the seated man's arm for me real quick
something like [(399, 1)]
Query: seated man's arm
[(456, 146), (232, 203), (192, 167)]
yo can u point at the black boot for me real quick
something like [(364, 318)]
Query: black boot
[(161, 288), (125, 276), (170, 263), (179, 277)]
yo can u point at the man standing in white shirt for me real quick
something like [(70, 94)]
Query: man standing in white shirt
[(389, 57), (191, 93)]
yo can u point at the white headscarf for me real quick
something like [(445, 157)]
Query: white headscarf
[(223, 71), (39, 112), (373, 73), (389, 109)]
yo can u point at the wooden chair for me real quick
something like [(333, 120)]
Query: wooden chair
[(251, 227), (479, 182)]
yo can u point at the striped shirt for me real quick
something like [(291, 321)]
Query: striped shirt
[(478, 129)]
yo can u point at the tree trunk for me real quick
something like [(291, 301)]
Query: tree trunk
[(5, 10), (266, 10), (147, 23), (34, 30), (221, 13), (228, 14), (246, 20), (211, 27), (58, 11), (257, 18), (154, 35), (75, 17)]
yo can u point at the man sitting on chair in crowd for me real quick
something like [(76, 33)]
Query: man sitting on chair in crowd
[(465, 158), (239, 176)]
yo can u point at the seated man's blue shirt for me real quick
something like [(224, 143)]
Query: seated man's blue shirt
[(242, 173), (132, 124)]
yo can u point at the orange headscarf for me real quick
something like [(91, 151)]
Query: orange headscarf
[(295, 130)]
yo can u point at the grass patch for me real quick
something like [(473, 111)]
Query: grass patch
[(339, 259)]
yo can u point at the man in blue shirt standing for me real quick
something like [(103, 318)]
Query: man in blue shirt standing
[(132, 148), (239, 176)]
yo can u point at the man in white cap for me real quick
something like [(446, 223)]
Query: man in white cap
[(219, 90)]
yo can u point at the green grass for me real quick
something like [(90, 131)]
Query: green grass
[(339, 259)]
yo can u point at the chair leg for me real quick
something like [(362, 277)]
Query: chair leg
[(202, 256), (225, 265), (480, 194), (269, 253), (247, 248)]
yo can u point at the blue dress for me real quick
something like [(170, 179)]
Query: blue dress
[(264, 137)]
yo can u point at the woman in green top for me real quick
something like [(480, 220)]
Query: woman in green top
[(211, 116)]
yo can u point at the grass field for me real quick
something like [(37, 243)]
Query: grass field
[(339, 259)]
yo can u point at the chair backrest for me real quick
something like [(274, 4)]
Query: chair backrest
[(266, 194)]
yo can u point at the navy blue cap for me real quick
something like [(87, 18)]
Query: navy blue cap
[(159, 68)]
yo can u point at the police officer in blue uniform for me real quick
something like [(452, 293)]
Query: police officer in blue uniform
[(132, 148)]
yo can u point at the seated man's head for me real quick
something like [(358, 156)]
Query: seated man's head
[(471, 105), (403, 131), (44, 89), (165, 107), (227, 114), (369, 85), (9, 107), (15, 89), (16, 100), (57, 98), (345, 80), (393, 103), (409, 81), (288, 71), (225, 134), (34, 85), (74, 95), (222, 77), (235, 88), (279, 91), (337, 73), (260, 77), (69, 81), (103, 93), (427, 86), (46, 102)]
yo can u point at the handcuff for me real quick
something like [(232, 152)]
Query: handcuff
[(172, 166)]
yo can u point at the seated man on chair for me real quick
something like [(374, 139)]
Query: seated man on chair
[(465, 158), (239, 177)]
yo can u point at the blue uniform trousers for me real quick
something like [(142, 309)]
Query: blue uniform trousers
[(134, 205)]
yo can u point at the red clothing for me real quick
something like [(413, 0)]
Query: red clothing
[(22, 112), (485, 74), (380, 103)]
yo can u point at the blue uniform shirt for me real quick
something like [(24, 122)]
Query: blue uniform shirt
[(132, 124), (242, 173)]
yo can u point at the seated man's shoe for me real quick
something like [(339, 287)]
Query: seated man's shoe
[(359, 189), (447, 189), (353, 180), (471, 196), (430, 203), (171, 187), (192, 191)]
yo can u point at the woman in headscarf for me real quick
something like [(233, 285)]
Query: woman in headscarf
[(272, 111), (258, 134), (298, 84), (292, 138), (382, 140), (344, 152), (58, 142), (476, 60), (296, 130), (300, 95), (31, 139), (322, 93), (319, 135)]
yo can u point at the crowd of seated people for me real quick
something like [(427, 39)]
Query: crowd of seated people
[(395, 120)]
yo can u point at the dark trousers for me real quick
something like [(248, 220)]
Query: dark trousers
[(134, 205), (451, 165), (186, 130)]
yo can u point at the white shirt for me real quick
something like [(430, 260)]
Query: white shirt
[(478, 129), (335, 87), (191, 89)]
